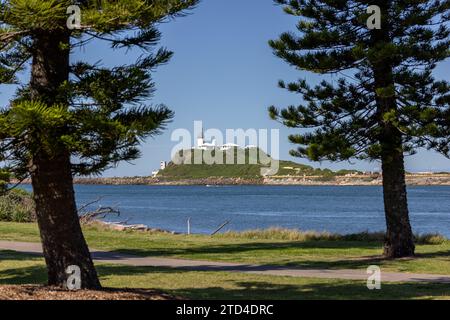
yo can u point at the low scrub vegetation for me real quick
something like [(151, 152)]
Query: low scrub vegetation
[(17, 206), (303, 236)]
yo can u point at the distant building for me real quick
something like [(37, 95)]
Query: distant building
[(162, 166), (203, 145), (228, 146), (155, 173)]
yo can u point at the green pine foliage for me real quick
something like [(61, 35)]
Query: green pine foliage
[(341, 116), (104, 112), (4, 180)]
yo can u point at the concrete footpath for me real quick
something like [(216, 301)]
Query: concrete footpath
[(196, 265)]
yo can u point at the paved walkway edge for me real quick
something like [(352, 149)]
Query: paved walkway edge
[(197, 265)]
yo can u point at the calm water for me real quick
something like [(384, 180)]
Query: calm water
[(336, 209)]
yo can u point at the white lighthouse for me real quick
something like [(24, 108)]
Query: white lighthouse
[(200, 140)]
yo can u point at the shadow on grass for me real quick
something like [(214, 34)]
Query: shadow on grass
[(235, 286), (315, 291), (251, 247), (21, 275), (305, 288), (13, 255), (364, 262), (330, 260), (256, 249), (25, 275)]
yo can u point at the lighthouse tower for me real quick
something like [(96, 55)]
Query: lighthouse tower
[(201, 140)]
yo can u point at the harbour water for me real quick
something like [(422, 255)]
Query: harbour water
[(341, 209)]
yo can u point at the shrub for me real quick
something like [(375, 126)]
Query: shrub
[(17, 206), (304, 236), (433, 238)]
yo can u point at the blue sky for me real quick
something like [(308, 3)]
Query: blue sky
[(224, 73)]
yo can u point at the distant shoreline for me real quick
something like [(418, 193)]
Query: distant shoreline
[(411, 179)]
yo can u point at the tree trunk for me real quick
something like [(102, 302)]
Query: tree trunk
[(62, 238), (59, 225), (399, 240), (399, 237)]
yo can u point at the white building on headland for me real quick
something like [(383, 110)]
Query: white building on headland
[(203, 145), (162, 166), (155, 173)]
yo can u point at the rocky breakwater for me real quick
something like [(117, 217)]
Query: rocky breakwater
[(213, 181)]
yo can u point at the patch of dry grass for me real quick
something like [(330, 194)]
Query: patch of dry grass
[(304, 236)]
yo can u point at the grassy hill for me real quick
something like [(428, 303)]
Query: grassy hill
[(184, 166)]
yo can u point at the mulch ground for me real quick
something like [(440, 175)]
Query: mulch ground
[(36, 292)]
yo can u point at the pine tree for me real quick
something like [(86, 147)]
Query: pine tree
[(73, 117), (4, 181), (380, 101)]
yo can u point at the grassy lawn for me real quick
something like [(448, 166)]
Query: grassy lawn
[(306, 254), (25, 269)]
